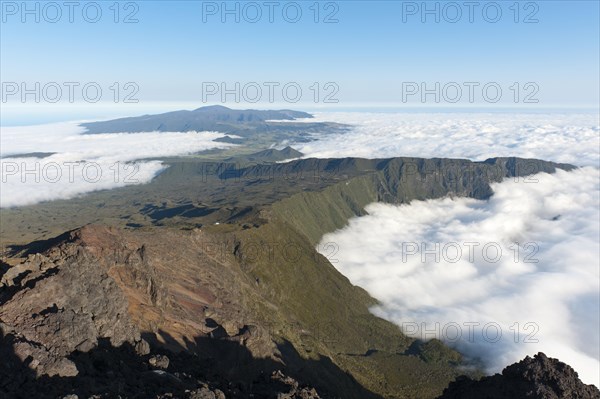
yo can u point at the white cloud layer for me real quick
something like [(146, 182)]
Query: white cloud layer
[(550, 279), (84, 163), (570, 138)]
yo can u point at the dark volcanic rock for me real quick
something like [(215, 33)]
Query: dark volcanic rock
[(61, 302), (539, 377), (118, 372)]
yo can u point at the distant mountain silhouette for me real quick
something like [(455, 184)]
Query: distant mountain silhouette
[(213, 118)]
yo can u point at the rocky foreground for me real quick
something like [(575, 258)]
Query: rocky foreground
[(70, 323), (101, 313), (211, 286), (539, 377)]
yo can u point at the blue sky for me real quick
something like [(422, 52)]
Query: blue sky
[(370, 55)]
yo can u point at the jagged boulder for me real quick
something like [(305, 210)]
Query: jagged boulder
[(159, 362), (539, 377)]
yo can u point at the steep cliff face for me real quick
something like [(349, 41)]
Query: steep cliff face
[(395, 181), (244, 306), (192, 192), (246, 303), (59, 302), (102, 295)]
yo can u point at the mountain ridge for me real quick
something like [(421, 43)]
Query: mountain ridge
[(209, 118), (270, 303)]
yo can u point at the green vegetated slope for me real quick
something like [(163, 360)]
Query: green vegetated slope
[(324, 317), (306, 287), (301, 298), (397, 181)]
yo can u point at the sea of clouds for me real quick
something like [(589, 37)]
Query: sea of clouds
[(515, 274), (497, 279), (83, 163), (569, 137)]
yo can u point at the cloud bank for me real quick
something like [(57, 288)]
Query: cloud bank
[(523, 264), (569, 138), (75, 163)]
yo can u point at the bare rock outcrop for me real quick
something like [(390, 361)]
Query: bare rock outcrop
[(60, 302), (106, 313), (539, 377)]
